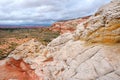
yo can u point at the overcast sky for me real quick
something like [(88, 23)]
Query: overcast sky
[(45, 11)]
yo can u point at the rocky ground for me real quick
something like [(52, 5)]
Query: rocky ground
[(92, 52), (10, 38)]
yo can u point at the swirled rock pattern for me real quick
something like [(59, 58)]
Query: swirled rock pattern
[(67, 25), (92, 52), (103, 26), (100, 60)]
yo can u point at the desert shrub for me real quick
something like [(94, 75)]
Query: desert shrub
[(12, 46), (43, 35), (1, 51)]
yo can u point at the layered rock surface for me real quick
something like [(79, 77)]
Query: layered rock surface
[(19, 64), (92, 52), (103, 26), (68, 25), (11, 69)]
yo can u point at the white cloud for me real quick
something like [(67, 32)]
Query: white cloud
[(45, 11)]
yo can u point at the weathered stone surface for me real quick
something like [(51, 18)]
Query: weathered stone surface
[(103, 27), (16, 70), (91, 63), (67, 25), (81, 61), (69, 57), (28, 51), (58, 43)]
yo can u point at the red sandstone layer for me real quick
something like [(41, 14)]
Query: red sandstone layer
[(16, 69), (67, 26)]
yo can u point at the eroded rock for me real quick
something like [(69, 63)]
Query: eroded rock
[(67, 25), (78, 61), (16, 70), (103, 26), (69, 58)]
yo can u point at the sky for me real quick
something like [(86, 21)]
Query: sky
[(45, 12)]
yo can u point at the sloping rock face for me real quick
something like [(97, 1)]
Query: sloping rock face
[(12, 69), (92, 52), (103, 27), (75, 61), (67, 26), (28, 50), (19, 65)]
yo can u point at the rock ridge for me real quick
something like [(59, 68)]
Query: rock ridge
[(68, 58), (102, 27)]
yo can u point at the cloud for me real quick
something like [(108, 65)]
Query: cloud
[(45, 11)]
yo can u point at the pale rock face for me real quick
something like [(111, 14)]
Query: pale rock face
[(77, 60), (73, 57), (103, 27), (84, 62), (62, 39), (59, 42), (28, 51)]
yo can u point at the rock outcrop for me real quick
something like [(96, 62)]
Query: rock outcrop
[(20, 63), (103, 26), (92, 52), (68, 25), (12, 69)]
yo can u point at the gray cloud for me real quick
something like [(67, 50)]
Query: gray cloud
[(45, 11)]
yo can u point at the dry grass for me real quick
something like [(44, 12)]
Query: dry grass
[(10, 38)]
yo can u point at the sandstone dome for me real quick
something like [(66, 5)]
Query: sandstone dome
[(92, 52)]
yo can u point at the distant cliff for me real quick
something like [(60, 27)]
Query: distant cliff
[(67, 25)]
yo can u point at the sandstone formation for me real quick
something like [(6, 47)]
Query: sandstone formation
[(18, 64), (103, 26), (12, 69), (68, 25), (92, 52)]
